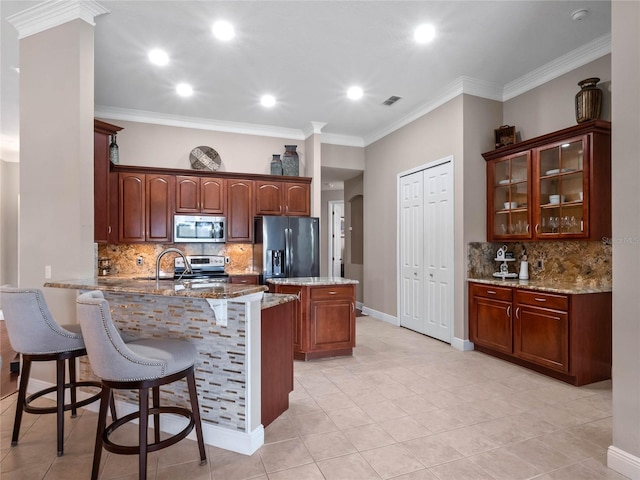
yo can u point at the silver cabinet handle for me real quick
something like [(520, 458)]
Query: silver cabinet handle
[(509, 311), (333, 293), (537, 227), (518, 313), (538, 299), (491, 292)]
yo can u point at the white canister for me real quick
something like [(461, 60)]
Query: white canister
[(524, 271)]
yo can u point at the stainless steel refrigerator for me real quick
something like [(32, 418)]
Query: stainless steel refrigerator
[(286, 247)]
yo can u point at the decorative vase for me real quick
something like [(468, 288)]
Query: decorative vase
[(290, 161), (588, 100), (114, 154), (276, 165)]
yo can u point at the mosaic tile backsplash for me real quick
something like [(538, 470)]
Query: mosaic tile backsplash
[(562, 260)]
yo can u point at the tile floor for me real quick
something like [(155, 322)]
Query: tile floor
[(404, 406)]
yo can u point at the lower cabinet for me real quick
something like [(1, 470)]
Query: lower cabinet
[(244, 279), (276, 360), (564, 336), (325, 320)]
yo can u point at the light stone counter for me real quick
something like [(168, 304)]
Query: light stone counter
[(575, 287), (312, 281)]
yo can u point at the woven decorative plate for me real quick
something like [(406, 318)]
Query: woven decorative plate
[(204, 158)]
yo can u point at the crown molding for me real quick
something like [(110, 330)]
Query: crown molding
[(142, 116), (313, 128), (574, 59), (53, 13), (343, 140)]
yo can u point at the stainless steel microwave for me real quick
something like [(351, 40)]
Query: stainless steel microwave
[(199, 228)]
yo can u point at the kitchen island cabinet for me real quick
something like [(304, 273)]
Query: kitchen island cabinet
[(562, 332), (325, 323), (243, 338)]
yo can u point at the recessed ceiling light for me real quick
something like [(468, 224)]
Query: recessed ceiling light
[(580, 14), (223, 30), (354, 93), (424, 33), (184, 90), (268, 101), (158, 57)]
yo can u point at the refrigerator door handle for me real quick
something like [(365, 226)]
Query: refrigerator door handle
[(287, 251)]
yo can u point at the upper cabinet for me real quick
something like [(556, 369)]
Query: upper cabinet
[(200, 194), (105, 185), (239, 210), (282, 198), (557, 186)]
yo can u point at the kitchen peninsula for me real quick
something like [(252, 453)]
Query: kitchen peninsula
[(226, 324), (325, 324)]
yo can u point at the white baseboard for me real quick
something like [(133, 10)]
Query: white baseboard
[(623, 462), (381, 316), (233, 440), (461, 344)]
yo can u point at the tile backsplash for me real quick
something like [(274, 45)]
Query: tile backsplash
[(561, 260), (123, 257)]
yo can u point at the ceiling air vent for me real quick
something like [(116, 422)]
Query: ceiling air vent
[(391, 100)]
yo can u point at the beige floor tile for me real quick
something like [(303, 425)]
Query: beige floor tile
[(367, 437), (304, 472), (235, 466), (348, 467), (431, 451), (417, 475), (439, 420), (184, 471), (349, 417), (313, 423), (71, 467), (120, 465), (414, 404), (363, 396), (405, 428), (281, 428), (303, 406), (27, 472), (540, 455), (334, 401), (574, 472), (384, 410), (573, 447), (598, 432), (392, 460), (459, 470), (601, 468), (328, 445), (501, 464), (467, 440), (284, 455)]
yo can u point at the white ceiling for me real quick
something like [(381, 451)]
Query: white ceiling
[(307, 53)]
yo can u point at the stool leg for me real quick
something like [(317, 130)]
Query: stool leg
[(72, 384), (195, 411), (156, 417), (22, 394), (105, 397), (142, 436), (112, 404), (60, 377)]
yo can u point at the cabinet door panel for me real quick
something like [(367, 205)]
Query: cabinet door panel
[(331, 324), (491, 324), (187, 194), (268, 198), (212, 195), (239, 208), (297, 199), (542, 336), (131, 207), (159, 207)]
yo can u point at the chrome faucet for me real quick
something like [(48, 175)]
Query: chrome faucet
[(187, 265)]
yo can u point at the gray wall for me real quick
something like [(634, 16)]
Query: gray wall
[(353, 239), (327, 196), (9, 182), (626, 225)]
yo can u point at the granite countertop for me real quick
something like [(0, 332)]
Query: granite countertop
[(235, 273), (312, 281), (184, 288), (274, 299), (575, 287)]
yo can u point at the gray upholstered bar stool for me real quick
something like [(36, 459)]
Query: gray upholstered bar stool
[(35, 334), (138, 365)]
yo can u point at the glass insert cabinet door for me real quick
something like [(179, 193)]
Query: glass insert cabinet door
[(561, 189), (510, 211)]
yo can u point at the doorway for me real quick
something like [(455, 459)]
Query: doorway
[(425, 240), (336, 238)]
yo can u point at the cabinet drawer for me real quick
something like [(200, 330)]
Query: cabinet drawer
[(489, 291), (545, 300), (332, 291)]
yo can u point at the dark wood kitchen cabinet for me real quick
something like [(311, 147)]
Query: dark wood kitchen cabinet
[(200, 195), (556, 186), (239, 210), (145, 207), (325, 319), (105, 185), (566, 336), (282, 198), (244, 279)]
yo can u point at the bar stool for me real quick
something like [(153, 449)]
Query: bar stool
[(34, 334), (138, 365)]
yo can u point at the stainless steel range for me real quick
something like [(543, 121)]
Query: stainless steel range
[(202, 266)]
